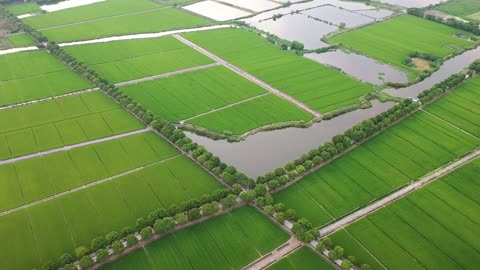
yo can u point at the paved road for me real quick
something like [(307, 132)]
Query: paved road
[(70, 147), (276, 255), (248, 76), (341, 223), (83, 187)]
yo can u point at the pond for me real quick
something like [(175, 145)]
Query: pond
[(412, 3), (360, 67), (297, 27), (68, 4), (450, 67), (336, 16), (216, 11), (266, 151), (253, 5)]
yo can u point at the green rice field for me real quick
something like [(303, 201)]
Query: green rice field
[(133, 59), (21, 40), (229, 241), (24, 8), (435, 227), (322, 88), (391, 41), (60, 122), (94, 11), (156, 20), (399, 155), (33, 75), (243, 117), (185, 95), (303, 258), (461, 8), (47, 230), (461, 107)]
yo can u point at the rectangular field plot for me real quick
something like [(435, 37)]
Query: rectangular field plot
[(186, 95), (64, 223), (303, 258), (392, 40), (31, 7), (21, 40), (30, 180), (56, 123), (321, 88), (461, 8), (461, 107), (99, 10), (151, 21), (432, 228), (122, 61), (28, 76), (401, 154), (259, 112), (230, 241)]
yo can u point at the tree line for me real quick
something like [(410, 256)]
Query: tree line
[(467, 26)]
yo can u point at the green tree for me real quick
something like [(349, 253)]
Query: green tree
[(66, 258), (290, 214), (164, 225), (280, 217), (81, 251), (336, 253), (112, 236), (86, 262), (229, 201), (210, 208), (346, 265), (181, 218), (270, 210), (98, 243), (146, 233), (194, 214), (102, 255), (131, 240), (117, 247), (248, 196)]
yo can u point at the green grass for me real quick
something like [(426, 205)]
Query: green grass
[(21, 40), (249, 115), (392, 40), (60, 122), (189, 94), (432, 228), (461, 8), (461, 107), (230, 241), (89, 12), (403, 153), (62, 224), (148, 22), (33, 75), (133, 59), (304, 259), (321, 88), (19, 9)]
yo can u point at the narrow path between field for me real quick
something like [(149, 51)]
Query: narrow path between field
[(168, 74), (351, 218), (70, 147), (277, 254), (224, 107), (450, 124), (248, 76), (61, 194)]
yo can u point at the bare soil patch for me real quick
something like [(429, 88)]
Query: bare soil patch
[(421, 64)]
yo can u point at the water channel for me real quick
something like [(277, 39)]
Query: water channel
[(265, 151)]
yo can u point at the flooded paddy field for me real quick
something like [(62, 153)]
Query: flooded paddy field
[(216, 11)]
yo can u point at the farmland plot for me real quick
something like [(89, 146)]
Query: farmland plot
[(304, 259), (393, 158), (230, 241), (321, 88), (29, 76), (461, 107), (151, 21), (433, 228), (186, 95), (243, 117), (99, 10), (393, 40), (461, 8), (122, 61), (21, 40), (60, 122), (30, 7), (64, 223)]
